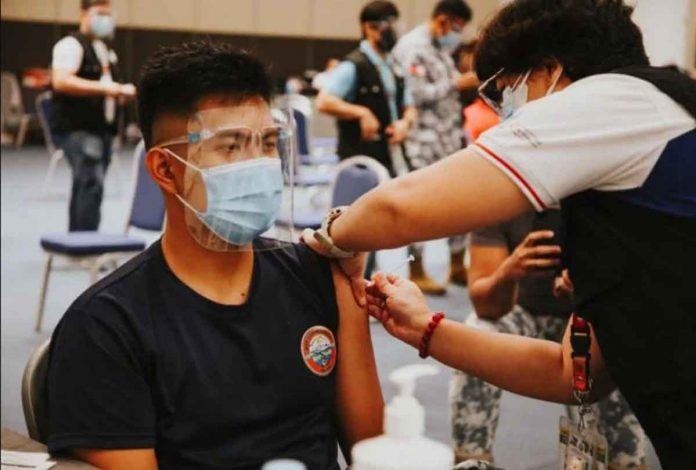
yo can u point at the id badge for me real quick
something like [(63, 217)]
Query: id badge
[(577, 446)]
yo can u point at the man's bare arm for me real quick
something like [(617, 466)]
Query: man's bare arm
[(359, 404), (492, 292), (334, 106), (67, 82)]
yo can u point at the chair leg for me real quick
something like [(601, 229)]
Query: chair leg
[(57, 155), (42, 295), (22, 132), (116, 162)]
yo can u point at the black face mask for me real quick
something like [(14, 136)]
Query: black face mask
[(387, 40)]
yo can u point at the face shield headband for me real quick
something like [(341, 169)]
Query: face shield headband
[(236, 178)]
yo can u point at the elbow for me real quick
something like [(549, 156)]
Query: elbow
[(485, 309), (58, 84), (322, 103)]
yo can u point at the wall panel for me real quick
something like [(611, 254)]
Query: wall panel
[(238, 16)]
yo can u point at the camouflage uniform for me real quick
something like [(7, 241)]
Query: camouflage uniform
[(437, 133), (475, 404)]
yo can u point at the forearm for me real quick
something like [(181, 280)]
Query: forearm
[(410, 115), (527, 366), (493, 296), (425, 92), (74, 85), (441, 200), (339, 108)]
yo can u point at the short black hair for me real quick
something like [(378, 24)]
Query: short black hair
[(454, 9), (175, 79), (378, 10), (587, 37), (87, 4)]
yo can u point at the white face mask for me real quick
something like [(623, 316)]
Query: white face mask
[(516, 96)]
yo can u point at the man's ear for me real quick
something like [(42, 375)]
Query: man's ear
[(158, 164)]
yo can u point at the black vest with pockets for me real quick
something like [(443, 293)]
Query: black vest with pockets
[(82, 113), (634, 271), (370, 94)]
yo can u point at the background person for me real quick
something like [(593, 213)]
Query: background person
[(257, 349), (367, 94), (593, 127), (85, 94), (425, 54), (511, 275), (366, 91), (320, 79)]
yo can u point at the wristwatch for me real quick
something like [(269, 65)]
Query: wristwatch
[(323, 237)]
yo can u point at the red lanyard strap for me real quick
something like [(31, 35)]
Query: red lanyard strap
[(580, 342)]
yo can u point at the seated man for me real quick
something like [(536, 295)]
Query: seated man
[(215, 348), (511, 287)]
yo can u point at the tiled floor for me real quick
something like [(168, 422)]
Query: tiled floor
[(527, 433)]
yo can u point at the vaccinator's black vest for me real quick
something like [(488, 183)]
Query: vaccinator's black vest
[(634, 272), (73, 113), (369, 93)]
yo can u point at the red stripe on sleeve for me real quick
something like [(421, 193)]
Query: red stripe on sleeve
[(514, 172)]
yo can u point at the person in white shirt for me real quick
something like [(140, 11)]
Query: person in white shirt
[(590, 125), (84, 106)]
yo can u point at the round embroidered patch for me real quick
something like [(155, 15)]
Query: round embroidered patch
[(318, 349)]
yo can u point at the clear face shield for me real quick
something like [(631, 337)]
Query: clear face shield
[(238, 179)]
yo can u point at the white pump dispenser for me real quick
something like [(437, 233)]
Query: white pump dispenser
[(403, 445)]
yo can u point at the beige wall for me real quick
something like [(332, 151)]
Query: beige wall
[(314, 18)]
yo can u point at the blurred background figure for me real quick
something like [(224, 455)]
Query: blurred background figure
[(320, 79), (85, 101), (425, 54), (367, 94), (477, 116)]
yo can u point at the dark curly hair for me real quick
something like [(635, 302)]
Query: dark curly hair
[(175, 79), (586, 36)]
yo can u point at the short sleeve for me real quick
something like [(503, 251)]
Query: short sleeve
[(489, 236), (97, 389), (341, 82), (67, 54), (604, 133), (408, 96)]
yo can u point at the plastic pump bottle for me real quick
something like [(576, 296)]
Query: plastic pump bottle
[(403, 445)]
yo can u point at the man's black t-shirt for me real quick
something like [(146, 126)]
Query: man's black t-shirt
[(142, 361)]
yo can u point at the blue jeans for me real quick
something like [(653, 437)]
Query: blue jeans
[(88, 155)]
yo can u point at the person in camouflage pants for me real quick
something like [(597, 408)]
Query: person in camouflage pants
[(425, 56), (511, 286)]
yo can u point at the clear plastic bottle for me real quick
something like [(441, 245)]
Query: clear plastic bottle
[(403, 445), (284, 464)]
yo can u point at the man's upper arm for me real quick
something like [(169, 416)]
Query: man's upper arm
[(341, 80), (99, 395), (132, 459), (359, 396), (67, 55)]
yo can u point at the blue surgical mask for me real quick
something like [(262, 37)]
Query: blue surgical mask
[(243, 199), (450, 40), (102, 26), (514, 97)]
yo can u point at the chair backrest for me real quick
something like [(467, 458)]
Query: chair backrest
[(12, 105), (301, 131), (147, 208), (34, 393), (354, 177), (43, 110)]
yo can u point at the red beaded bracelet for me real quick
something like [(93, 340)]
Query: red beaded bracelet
[(425, 340)]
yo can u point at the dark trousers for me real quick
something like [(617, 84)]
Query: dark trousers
[(88, 155)]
